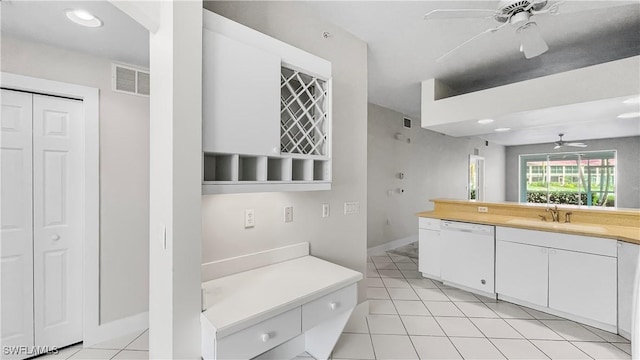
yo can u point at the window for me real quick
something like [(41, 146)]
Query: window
[(584, 178)]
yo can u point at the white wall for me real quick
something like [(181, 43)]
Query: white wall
[(434, 165), (124, 170), (339, 238), (627, 167)]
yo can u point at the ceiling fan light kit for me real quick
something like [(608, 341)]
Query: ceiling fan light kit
[(517, 13)]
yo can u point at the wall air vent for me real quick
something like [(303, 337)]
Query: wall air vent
[(129, 79), (406, 122)]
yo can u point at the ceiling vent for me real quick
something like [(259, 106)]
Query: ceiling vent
[(130, 80)]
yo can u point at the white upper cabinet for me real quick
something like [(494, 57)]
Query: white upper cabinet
[(266, 112), (241, 98)]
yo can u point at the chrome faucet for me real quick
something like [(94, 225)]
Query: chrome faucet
[(555, 215)]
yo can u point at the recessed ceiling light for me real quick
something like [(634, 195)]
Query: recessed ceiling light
[(502, 129), (633, 100), (485, 121), (629, 115), (82, 17)]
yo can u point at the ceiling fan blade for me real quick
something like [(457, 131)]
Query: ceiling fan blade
[(492, 30), (458, 14), (532, 42), (576, 144), (553, 9), (557, 147)]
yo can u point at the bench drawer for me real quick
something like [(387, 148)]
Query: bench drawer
[(327, 306), (255, 340)]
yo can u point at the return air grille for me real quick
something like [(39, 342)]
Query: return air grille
[(130, 80)]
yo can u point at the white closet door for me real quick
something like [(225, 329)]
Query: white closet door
[(16, 221), (57, 202)]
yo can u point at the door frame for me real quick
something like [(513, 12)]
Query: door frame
[(91, 328)]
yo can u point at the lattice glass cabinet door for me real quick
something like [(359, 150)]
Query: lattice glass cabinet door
[(303, 113)]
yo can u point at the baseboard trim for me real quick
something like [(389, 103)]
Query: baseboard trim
[(116, 328), (381, 249)]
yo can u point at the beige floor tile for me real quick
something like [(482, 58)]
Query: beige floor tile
[(386, 266), (372, 273), (533, 329), (375, 282), (357, 323), (63, 353), (508, 311), (422, 325), (117, 343), (132, 355), (607, 336), (442, 308), (402, 294), (626, 347), (476, 348), (460, 295), (431, 295), (377, 293), (570, 330), (141, 343), (386, 324), (431, 347), (411, 274), (381, 307), (601, 350), (560, 349), (97, 354), (476, 310), (458, 327), (397, 347), (390, 273), (396, 283), (518, 349), (405, 307), (354, 346), (496, 328), (539, 314), (407, 266), (422, 283)]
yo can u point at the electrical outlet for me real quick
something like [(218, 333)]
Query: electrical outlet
[(288, 214), (249, 218), (325, 210), (352, 207), (483, 209)]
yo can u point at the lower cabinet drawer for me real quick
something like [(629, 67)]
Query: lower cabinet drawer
[(255, 340), (327, 306)]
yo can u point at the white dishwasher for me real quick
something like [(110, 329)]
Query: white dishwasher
[(468, 254)]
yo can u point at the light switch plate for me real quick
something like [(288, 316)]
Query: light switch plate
[(325, 210), (249, 218)]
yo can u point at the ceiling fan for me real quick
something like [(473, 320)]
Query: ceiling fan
[(561, 143), (517, 13)]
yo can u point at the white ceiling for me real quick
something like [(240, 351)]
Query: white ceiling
[(402, 49)]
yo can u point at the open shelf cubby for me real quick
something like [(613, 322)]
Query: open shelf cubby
[(321, 170), (302, 169), (252, 168), (221, 167), (278, 169)]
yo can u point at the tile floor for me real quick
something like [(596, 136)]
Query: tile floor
[(416, 318), (132, 346)]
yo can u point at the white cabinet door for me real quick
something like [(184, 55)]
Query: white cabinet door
[(17, 228), (57, 220), (429, 253), (468, 260), (241, 97), (628, 256), (583, 284), (522, 272)]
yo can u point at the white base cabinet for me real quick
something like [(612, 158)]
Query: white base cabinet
[(522, 272), (571, 274), (583, 284), (429, 248)]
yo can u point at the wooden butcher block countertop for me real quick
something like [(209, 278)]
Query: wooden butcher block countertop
[(611, 223)]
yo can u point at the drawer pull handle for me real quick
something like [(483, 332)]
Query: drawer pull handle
[(334, 305), (265, 337)]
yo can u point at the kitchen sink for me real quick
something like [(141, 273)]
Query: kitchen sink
[(557, 226)]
